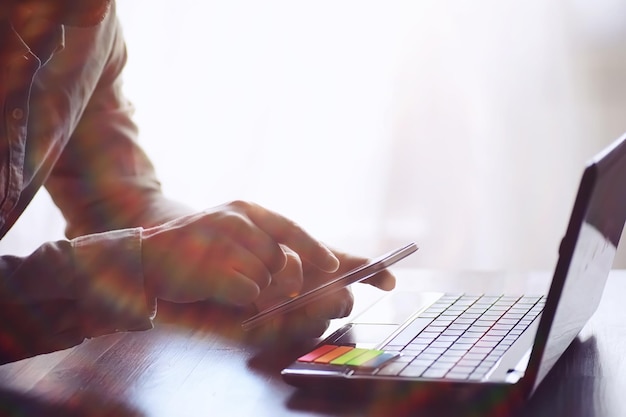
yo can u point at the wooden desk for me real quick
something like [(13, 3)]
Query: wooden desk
[(194, 363)]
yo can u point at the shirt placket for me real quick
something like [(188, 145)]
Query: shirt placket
[(20, 73)]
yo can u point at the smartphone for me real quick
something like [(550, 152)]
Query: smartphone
[(355, 275)]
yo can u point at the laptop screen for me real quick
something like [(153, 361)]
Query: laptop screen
[(586, 256)]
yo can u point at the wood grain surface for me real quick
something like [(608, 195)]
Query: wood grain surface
[(197, 362)]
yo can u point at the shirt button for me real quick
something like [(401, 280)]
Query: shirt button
[(17, 113)]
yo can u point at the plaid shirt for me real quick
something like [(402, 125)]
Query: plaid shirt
[(67, 126)]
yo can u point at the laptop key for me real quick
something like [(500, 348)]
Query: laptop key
[(413, 371), (457, 375), (435, 373), (425, 363), (391, 369)]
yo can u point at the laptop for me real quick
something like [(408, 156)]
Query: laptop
[(480, 347)]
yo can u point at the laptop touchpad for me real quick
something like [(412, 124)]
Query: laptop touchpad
[(370, 328), (366, 336)]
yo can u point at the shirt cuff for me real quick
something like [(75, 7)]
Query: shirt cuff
[(110, 283)]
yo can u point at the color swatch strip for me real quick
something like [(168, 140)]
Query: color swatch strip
[(347, 355)]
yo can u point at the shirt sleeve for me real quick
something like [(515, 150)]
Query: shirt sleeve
[(103, 179), (105, 186), (67, 291), (109, 283)]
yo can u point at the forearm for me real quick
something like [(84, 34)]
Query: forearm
[(154, 210), (67, 291), (122, 206)]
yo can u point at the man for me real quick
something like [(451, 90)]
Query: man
[(66, 126)]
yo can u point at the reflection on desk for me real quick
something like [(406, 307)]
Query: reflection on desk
[(197, 362)]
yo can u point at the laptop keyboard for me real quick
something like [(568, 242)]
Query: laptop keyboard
[(463, 337)]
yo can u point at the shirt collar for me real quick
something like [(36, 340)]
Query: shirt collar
[(11, 43)]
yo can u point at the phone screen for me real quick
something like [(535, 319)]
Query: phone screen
[(355, 275)]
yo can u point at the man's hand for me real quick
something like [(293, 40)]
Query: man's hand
[(229, 254), (300, 276), (240, 254)]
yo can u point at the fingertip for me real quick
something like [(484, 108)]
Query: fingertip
[(383, 280), (330, 263), (279, 263), (388, 284), (293, 287)]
